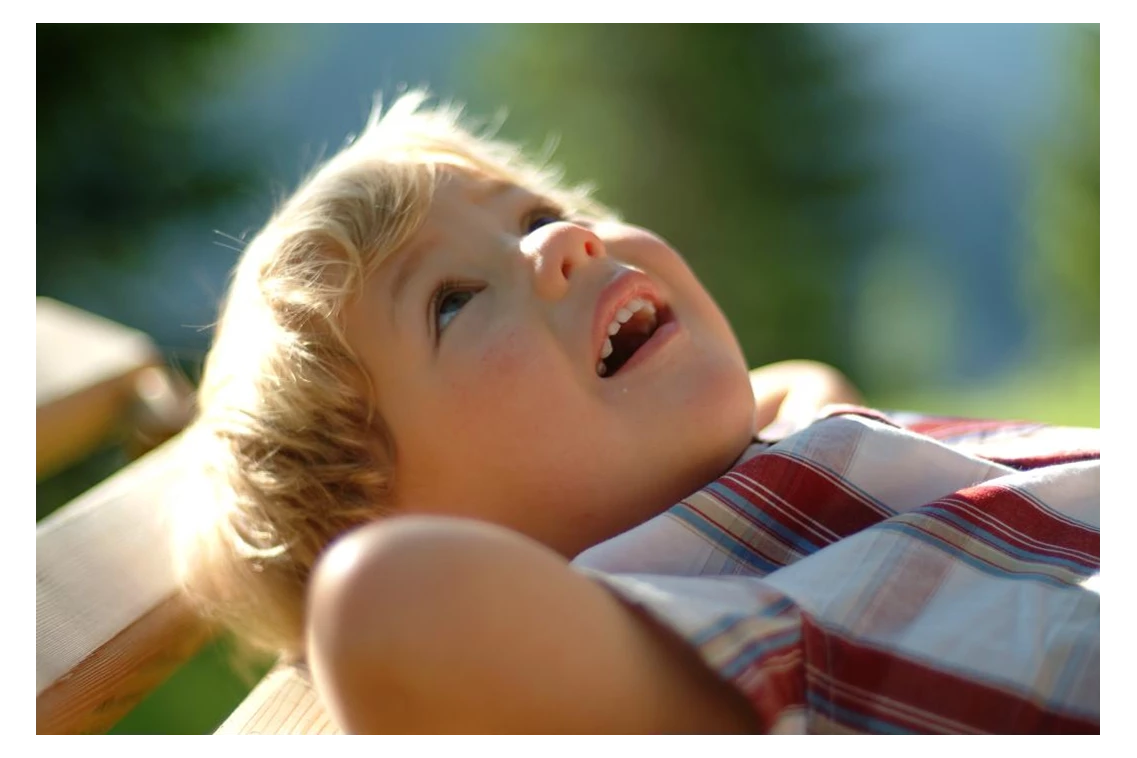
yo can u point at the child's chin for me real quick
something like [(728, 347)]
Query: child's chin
[(717, 427), (723, 402), (727, 420)]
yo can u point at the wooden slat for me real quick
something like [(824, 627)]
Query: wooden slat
[(86, 370), (109, 621), (113, 679), (285, 702)]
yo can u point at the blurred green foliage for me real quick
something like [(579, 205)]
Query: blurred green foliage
[(1063, 267), (1057, 376), (118, 152)]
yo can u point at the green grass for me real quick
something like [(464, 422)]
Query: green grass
[(1065, 392), (198, 697)]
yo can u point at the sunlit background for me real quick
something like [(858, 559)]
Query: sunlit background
[(917, 205)]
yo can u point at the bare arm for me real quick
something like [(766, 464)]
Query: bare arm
[(788, 394), (442, 625)]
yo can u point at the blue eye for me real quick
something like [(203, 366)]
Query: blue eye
[(542, 217), (447, 304)]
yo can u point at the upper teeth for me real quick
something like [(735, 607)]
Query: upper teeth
[(622, 316)]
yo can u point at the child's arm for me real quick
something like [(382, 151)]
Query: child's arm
[(427, 625), (788, 394)]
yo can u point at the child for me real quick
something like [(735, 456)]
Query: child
[(478, 375)]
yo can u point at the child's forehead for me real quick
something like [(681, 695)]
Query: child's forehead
[(462, 197), (465, 183)]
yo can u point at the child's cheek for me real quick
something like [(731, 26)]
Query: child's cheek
[(503, 357), (501, 364)]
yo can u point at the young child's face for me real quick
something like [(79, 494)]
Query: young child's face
[(486, 336)]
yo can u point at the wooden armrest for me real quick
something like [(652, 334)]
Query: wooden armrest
[(111, 623), (90, 374)]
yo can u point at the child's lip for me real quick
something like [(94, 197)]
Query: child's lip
[(627, 285)]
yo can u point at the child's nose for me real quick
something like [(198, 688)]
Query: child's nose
[(558, 251)]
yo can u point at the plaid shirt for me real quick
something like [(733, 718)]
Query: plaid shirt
[(888, 573)]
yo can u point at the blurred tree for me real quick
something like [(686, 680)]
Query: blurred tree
[(744, 146), (117, 152), (1063, 271), (906, 319)]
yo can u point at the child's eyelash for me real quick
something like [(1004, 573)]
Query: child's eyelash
[(543, 210), (445, 288)]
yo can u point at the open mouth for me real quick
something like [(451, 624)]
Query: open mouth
[(630, 329)]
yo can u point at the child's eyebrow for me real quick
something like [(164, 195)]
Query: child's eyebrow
[(409, 262), (489, 189)]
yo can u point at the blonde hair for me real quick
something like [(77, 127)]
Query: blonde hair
[(293, 452)]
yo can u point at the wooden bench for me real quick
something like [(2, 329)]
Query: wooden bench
[(111, 623)]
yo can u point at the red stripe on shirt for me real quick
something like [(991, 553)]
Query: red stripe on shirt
[(1019, 521), (932, 699), (807, 494)]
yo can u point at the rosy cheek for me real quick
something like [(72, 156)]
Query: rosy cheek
[(501, 367), (502, 356), (508, 384)]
